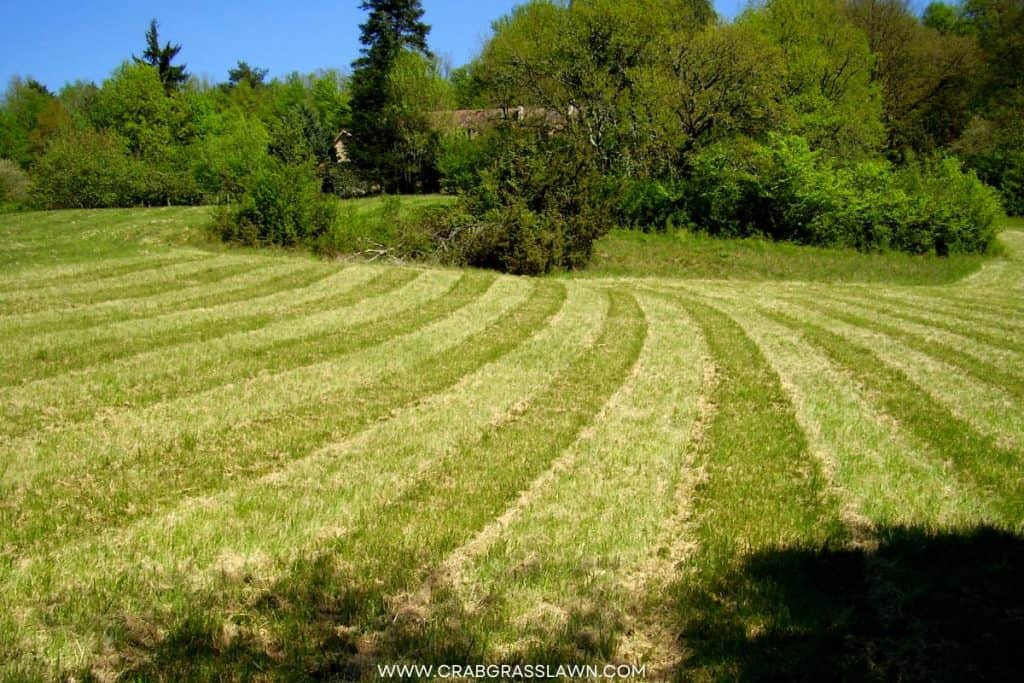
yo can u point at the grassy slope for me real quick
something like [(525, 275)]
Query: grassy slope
[(631, 253), (226, 463)]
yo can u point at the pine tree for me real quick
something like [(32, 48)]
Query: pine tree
[(160, 58), (391, 27)]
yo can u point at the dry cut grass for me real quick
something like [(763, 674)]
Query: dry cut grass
[(241, 465)]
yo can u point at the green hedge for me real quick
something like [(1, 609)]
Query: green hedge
[(784, 190), (281, 205)]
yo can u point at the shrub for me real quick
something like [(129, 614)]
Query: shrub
[(228, 155), (85, 169), (961, 210), (743, 188), (281, 205), (650, 205), (786, 191), (460, 162), (538, 205), (14, 184), (88, 169)]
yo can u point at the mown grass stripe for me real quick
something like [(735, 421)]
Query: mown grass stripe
[(152, 281), (83, 398), (459, 495), (242, 449), (988, 409), (1012, 383), (997, 472), (945, 303), (130, 392), (146, 377), (885, 476), (46, 276), (273, 277), (605, 499), (267, 516), (142, 272), (973, 330), (762, 486), (65, 353)]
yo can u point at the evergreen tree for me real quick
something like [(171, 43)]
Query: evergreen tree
[(393, 26), (160, 58), (243, 73)]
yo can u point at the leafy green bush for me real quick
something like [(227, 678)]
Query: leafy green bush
[(280, 205), (539, 205), (961, 210), (650, 205), (235, 148), (460, 162), (786, 191), (742, 188), (14, 185), (87, 169)]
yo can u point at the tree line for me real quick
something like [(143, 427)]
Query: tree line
[(838, 122)]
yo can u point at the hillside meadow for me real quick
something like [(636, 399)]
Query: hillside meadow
[(715, 459)]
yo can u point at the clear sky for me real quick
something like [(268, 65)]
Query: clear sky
[(56, 41)]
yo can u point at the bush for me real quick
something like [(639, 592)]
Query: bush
[(280, 205), (84, 169), (538, 205), (460, 162), (785, 191), (742, 188), (960, 209), (650, 205), (224, 158), (14, 185)]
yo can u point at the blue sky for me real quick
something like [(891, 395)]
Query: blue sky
[(57, 41)]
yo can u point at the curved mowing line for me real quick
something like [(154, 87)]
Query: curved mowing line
[(205, 374), (945, 303), (996, 472), (230, 290), (49, 362), (620, 480), (245, 451), (94, 270), (882, 478), (176, 280), (172, 372), (1004, 342), (762, 485), (182, 322), (760, 489), (142, 273), (403, 536), (984, 371), (942, 305), (312, 488)]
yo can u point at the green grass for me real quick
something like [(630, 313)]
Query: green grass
[(630, 253), (721, 460)]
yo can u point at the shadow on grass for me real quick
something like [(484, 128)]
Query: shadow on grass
[(921, 606)]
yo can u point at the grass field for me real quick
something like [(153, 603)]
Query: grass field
[(231, 464)]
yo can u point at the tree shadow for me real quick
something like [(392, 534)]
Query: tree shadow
[(935, 606), (923, 605)]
